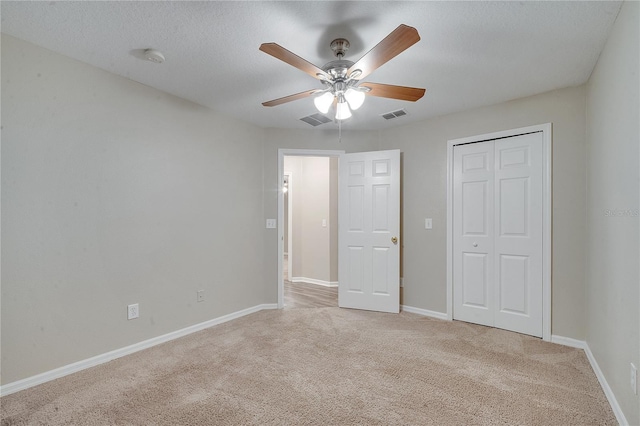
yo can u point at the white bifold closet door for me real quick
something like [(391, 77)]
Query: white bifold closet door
[(497, 233)]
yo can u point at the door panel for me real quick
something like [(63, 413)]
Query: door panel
[(473, 233), (514, 198), (514, 284), (518, 245), (355, 277), (475, 288), (369, 203)]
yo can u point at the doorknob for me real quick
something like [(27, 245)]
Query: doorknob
[(475, 244), (394, 240)]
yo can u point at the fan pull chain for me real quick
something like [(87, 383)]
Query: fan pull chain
[(339, 131)]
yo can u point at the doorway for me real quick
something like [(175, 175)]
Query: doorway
[(499, 230), (368, 239), (305, 264)]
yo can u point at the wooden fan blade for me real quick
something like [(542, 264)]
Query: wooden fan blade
[(402, 93), (391, 46), (290, 98), (291, 58)]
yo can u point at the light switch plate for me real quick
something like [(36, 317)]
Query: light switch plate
[(271, 223), (428, 223)]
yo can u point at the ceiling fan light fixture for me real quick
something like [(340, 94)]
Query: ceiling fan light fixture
[(323, 102), (342, 111), (355, 98)]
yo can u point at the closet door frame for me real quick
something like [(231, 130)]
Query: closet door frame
[(546, 213)]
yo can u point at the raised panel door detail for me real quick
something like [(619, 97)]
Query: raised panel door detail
[(474, 209), (514, 157), (514, 284), (474, 162), (514, 207), (356, 269), (356, 208), (380, 260), (474, 280), (381, 168), (356, 168), (380, 208)]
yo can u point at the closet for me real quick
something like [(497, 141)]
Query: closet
[(498, 233)]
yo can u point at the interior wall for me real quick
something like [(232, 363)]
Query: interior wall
[(333, 219), (312, 203), (613, 140), (115, 193), (315, 247), (286, 220), (424, 147)]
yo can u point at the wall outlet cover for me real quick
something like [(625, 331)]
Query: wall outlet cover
[(133, 311)]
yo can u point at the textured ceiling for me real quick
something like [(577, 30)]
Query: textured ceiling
[(471, 53)]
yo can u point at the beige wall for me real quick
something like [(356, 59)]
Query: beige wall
[(314, 195), (424, 148), (333, 218), (310, 208), (613, 140), (115, 193)]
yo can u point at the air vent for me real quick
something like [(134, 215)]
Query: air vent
[(394, 114), (316, 119)]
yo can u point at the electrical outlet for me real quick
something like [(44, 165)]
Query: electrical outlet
[(200, 296), (634, 379), (133, 311)]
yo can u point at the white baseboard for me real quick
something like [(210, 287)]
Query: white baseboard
[(425, 312), (314, 281), (568, 341), (581, 344), (47, 376)]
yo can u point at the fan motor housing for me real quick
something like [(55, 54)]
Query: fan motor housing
[(337, 69)]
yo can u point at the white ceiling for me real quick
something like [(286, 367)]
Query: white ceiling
[(471, 53)]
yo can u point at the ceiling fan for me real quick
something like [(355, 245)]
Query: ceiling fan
[(341, 78)]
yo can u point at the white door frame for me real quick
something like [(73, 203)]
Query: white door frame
[(282, 152), (546, 213)]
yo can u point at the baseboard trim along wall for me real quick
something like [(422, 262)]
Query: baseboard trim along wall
[(581, 344), (47, 376), (424, 312), (314, 281)]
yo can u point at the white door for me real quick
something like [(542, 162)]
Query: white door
[(497, 252), (369, 231)]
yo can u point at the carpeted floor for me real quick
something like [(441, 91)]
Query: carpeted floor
[(328, 366)]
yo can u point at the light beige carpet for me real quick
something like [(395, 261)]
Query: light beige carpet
[(328, 366)]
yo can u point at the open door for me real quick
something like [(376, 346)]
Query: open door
[(369, 231)]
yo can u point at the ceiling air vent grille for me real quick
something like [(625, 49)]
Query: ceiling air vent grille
[(394, 114), (316, 119)]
